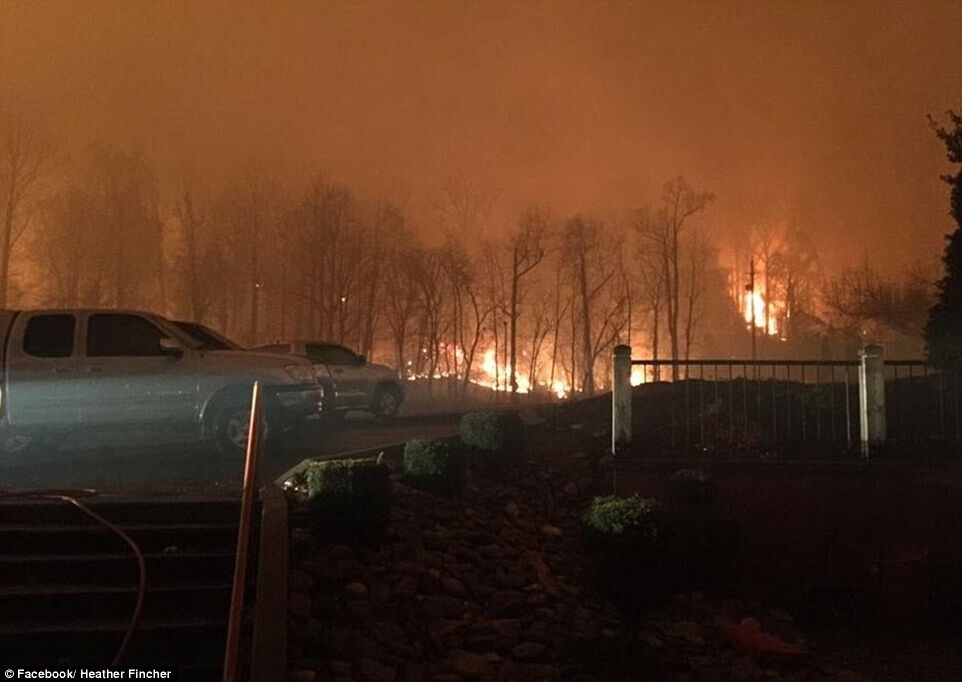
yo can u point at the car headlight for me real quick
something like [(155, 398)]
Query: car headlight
[(304, 373)]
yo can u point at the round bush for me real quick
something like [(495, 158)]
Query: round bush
[(436, 465), (349, 500), (496, 438), (630, 540), (633, 518)]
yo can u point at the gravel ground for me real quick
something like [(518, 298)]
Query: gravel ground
[(491, 584)]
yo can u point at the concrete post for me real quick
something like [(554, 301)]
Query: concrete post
[(871, 397), (621, 398)]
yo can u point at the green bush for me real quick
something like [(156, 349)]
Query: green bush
[(349, 500), (630, 541), (496, 438), (631, 518), (436, 465), (693, 487)]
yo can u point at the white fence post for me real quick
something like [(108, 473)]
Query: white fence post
[(871, 397), (621, 398)]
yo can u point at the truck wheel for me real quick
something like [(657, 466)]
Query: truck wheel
[(387, 400), (229, 426)]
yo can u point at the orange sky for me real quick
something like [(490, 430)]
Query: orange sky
[(812, 112)]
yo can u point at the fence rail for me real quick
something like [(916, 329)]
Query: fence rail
[(782, 407)]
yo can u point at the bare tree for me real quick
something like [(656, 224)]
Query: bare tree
[(766, 242), (70, 249), (561, 305), (528, 248), (124, 191), (22, 157), (402, 296), (469, 311), (495, 293), (651, 281), (699, 257), (248, 210), (588, 248), (540, 325), (464, 207), (191, 222), (663, 234), (432, 302), (863, 303), (795, 277), (389, 222)]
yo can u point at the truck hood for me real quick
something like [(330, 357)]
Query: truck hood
[(273, 363)]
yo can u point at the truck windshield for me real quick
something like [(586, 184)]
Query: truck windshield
[(207, 339)]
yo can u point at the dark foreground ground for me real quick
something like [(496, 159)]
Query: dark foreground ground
[(494, 584)]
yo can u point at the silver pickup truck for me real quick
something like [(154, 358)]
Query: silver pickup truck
[(129, 377)]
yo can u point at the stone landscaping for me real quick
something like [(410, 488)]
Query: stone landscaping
[(493, 583)]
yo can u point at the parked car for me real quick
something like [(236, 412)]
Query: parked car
[(129, 377), (357, 383)]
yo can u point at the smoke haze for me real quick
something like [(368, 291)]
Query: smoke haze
[(811, 113)]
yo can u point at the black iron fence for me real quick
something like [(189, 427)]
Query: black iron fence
[(783, 406)]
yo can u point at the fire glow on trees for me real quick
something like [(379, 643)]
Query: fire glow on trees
[(494, 374)]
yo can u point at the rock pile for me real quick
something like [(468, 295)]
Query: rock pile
[(484, 585), (491, 584)]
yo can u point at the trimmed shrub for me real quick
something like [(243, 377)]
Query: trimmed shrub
[(629, 518), (630, 540), (496, 438), (436, 465), (349, 500)]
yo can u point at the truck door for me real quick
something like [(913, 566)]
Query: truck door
[(133, 384), (350, 379), (43, 381)]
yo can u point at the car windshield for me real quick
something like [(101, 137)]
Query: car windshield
[(207, 339)]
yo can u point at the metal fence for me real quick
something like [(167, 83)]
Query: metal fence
[(782, 407)]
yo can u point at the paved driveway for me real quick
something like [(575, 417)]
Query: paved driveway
[(158, 470)]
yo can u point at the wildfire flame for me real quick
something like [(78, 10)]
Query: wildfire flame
[(766, 318), (495, 375)]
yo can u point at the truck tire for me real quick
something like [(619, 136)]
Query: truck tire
[(386, 401), (228, 425)]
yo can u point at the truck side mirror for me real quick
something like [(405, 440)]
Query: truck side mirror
[(170, 346)]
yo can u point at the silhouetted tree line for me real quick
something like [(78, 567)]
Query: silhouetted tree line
[(546, 296), (943, 333)]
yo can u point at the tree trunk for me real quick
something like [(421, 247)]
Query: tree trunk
[(513, 361), (656, 315), (5, 257), (255, 285), (587, 355)]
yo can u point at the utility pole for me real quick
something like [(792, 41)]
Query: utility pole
[(750, 288)]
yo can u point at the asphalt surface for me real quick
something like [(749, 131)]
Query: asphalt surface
[(194, 471), (356, 433)]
